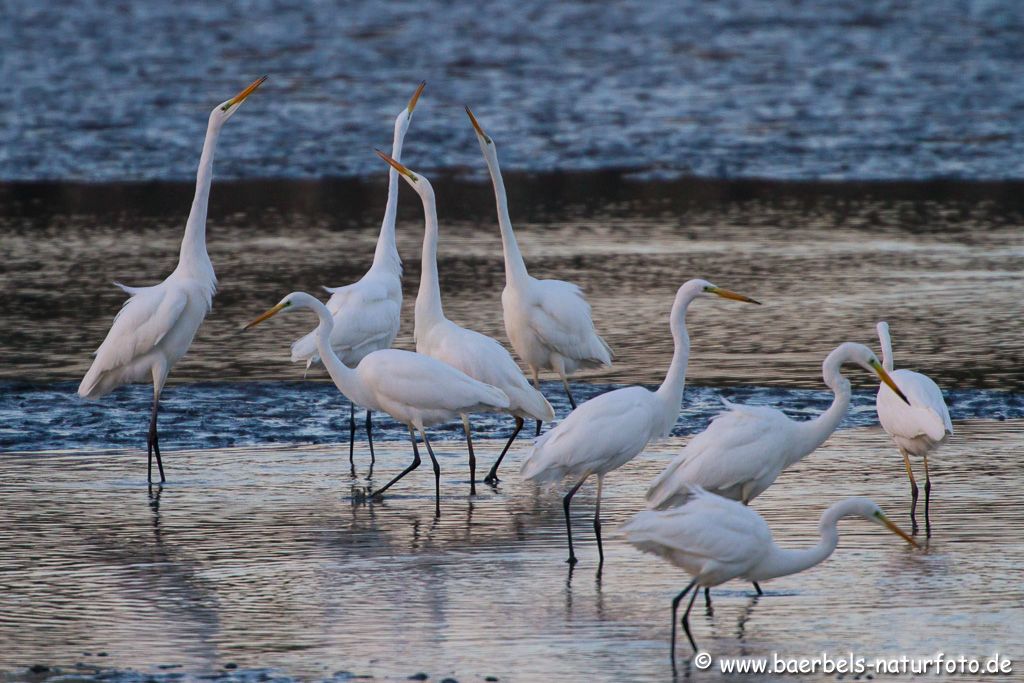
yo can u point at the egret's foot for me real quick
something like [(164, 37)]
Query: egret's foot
[(492, 481), (572, 561)]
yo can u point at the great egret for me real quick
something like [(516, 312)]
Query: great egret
[(414, 389), (547, 321), (744, 449), (367, 313), (475, 354), (715, 540), (917, 428), (156, 325), (608, 431)]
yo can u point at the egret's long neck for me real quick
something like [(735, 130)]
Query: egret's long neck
[(515, 267), (815, 432), (670, 393), (344, 377), (386, 255), (428, 299), (193, 259), (886, 342), (784, 562)]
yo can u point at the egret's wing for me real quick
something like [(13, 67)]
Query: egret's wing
[(364, 315), (560, 317), (927, 413)]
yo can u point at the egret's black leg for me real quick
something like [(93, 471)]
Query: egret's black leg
[(472, 456), (707, 597), (568, 524), (539, 424), (437, 474), (597, 523), (536, 385), (153, 445), (913, 493), (757, 588), (568, 392), (686, 620), (407, 470), (369, 436), (492, 476), (927, 499), (352, 436), (675, 612)]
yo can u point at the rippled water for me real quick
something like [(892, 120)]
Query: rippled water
[(741, 88), (259, 558)]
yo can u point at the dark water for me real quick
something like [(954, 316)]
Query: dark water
[(104, 91)]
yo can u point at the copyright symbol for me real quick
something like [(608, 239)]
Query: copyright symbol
[(702, 660)]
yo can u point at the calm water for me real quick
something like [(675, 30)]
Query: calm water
[(741, 88)]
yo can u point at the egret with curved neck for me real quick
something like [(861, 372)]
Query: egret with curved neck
[(609, 430), (917, 428), (155, 327), (548, 322), (414, 389), (367, 313), (716, 540)]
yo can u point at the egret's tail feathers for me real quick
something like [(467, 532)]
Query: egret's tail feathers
[(531, 403), (304, 349), (664, 490), (98, 383)]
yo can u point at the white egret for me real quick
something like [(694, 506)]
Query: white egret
[(547, 321), (917, 428), (609, 430), (414, 389), (156, 325), (745, 449), (475, 354), (367, 313), (716, 540)]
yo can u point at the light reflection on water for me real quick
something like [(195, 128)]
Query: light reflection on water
[(262, 558)]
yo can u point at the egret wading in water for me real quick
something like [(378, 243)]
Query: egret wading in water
[(367, 313), (156, 325), (475, 354), (547, 322), (715, 540), (917, 428), (415, 390), (609, 430)]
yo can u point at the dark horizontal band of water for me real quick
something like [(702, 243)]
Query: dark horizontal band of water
[(48, 417)]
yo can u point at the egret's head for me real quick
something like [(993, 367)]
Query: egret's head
[(404, 117), (225, 110), (486, 143), (882, 328), (416, 181), (697, 287), (852, 352), (874, 513), (293, 301)]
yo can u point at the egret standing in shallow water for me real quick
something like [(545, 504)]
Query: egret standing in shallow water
[(155, 327), (715, 540), (547, 321), (917, 428), (609, 430), (475, 354), (367, 313), (414, 389)]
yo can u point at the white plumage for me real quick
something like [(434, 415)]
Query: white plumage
[(609, 430), (745, 449), (548, 322), (715, 540), (475, 354), (157, 324), (918, 428)]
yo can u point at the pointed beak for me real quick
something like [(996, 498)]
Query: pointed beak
[(240, 97), (891, 526), (416, 96), (476, 126), (397, 166), (269, 314), (887, 378), (726, 294)]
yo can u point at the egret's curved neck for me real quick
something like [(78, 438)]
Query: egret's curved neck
[(784, 562), (344, 377), (386, 255), (670, 393), (815, 432), (515, 267), (428, 299), (886, 342), (193, 259)]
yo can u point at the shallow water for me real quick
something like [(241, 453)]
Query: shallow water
[(916, 89), (264, 558)]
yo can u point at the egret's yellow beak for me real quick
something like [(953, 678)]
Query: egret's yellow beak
[(416, 96), (240, 97), (726, 294), (397, 166), (887, 378), (269, 314), (476, 126), (891, 526)]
